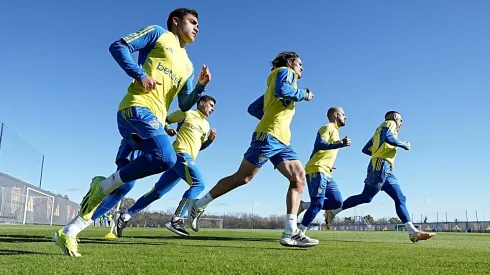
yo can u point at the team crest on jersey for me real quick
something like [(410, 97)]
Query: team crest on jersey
[(154, 124), (261, 158)]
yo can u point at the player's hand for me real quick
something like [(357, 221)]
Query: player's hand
[(346, 141), (310, 95), (204, 75), (148, 84), (212, 134), (171, 132), (407, 145)]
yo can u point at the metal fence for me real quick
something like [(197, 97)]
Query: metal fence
[(20, 201), (23, 203), (470, 226)]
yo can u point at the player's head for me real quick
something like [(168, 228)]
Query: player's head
[(206, 105), (395, 116), (290, 60), (337, 115), (183, 23)]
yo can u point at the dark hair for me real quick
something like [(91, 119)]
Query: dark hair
[(389, 113), (282, 59), (331, 111), (179, 13), (206, 98)]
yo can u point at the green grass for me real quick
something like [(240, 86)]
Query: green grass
[(29, 250)]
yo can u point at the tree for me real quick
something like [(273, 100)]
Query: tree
[(369, 219), (394, 220), (126, 203)]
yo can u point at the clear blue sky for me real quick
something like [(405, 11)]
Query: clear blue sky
[(60, 91)]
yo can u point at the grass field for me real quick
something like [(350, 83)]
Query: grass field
[(29, 250)]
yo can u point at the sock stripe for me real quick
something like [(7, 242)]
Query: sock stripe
[(181, 206)]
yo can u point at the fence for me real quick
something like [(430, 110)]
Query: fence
[(470, 226), (21, 202)]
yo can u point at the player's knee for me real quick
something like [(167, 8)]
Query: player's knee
[(164, 160), (199, 187), (367, 199), (402, 199), (337, 203), (316, 205), (121, 163)]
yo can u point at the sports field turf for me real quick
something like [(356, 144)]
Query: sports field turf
[(29, 250)]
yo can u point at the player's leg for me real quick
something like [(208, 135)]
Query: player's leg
[(147, 135), (372, 187), (256, 156), (66, 237), (167, 181), (317, 184), (288, 164), (188, 171), (392, 188), (333, 199)]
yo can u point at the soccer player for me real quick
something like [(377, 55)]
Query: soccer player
[(270, 141), (193, 135), (382, 148), (323, 189), (163, 71)]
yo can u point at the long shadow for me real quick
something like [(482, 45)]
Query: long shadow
[(208, 238), (23, 239), (7, 252), (248, 247), (103, 241), (367, 242)]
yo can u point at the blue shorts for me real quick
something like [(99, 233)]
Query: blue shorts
[(137, 122), (380, 175), (266, 147), (320, 184)]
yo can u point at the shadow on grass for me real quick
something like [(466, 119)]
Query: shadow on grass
[(9, 252), (23, 239), (208, 238)]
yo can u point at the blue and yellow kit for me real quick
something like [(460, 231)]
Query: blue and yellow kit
[(382, 148), (318, 168), (275, 109), (193, 130), (161, 57)]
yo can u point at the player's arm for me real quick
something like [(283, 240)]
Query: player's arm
[(143, 39), (256, 109), (388, 136), (189, 96), (367, 149), (285, 79), (210, 138), (175, 117), (323, 136)]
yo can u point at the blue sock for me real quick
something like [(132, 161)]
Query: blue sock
[(315, 207), (115, 196), (166, 182), (366, 196), (395, 192), (157, 156)]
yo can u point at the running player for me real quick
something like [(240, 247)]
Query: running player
[(382, 148), (323, 189), (270, 141), (163, 71), (193, 135)]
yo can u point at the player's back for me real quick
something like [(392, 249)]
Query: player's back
[(192, 130), (381, 149), (278, 113), (165, 61)]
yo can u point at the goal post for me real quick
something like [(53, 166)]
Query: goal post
[(38, 205)]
